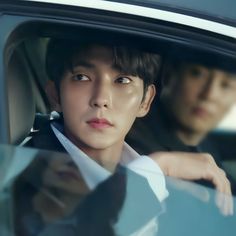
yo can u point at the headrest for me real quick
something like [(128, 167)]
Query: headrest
[(20, 98)]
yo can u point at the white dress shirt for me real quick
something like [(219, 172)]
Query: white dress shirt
[(93, 173)]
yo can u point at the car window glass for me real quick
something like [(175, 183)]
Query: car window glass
[(49, 196)]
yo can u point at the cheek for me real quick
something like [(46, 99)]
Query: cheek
[(72, 100), (182, 101), (128, 100), (187, 94), (127, 113), (225, 104)]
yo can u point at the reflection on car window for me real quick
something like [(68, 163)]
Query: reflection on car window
[(50, 197)]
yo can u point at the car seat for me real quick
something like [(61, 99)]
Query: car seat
[(21, 101)]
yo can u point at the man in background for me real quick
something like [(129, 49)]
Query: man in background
[(197, 91)]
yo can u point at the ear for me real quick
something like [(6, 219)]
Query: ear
[(147, 101), (53, 96)]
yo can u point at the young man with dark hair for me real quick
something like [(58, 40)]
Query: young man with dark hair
[(198, 89)]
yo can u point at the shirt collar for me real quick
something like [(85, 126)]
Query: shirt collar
[(92, 172)]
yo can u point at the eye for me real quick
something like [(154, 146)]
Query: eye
[(81, 77), (231, 78), (197, 72), (226, 85), (123, 80)]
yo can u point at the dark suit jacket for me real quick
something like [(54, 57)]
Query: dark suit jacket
[(45, 138)]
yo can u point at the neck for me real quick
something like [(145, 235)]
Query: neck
[(108, 158), (189, 137)]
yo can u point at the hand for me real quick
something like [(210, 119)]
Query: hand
[(195, 166)]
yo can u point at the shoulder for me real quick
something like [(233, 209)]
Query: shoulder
[(43, 137)]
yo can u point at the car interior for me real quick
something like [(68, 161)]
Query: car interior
[(26, 77), (23, 77)]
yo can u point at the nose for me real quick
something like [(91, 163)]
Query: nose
[(101, 95)]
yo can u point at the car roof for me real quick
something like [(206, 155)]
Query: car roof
[(218, 17), (217, 10)]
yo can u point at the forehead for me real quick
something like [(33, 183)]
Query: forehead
[(210, 70), (93, 52)]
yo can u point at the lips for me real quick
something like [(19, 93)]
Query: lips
[(97, 123), (201, 112)]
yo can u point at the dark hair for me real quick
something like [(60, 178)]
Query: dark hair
[(129, 60), (182, 56)]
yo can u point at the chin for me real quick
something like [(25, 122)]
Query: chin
[(100, 146), (200, 129), (96, 145)]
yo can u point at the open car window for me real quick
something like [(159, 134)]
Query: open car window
[(45, 193)]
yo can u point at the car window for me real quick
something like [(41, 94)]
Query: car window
[(46, 194)]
